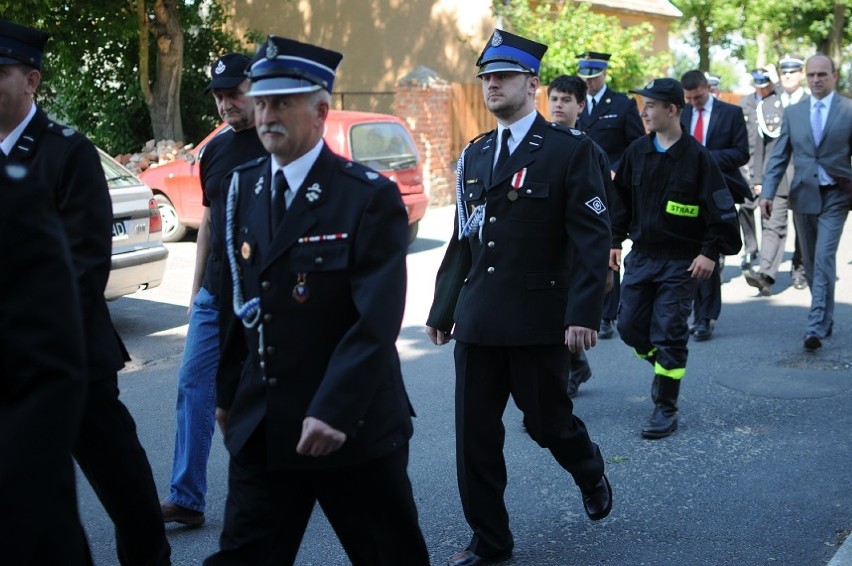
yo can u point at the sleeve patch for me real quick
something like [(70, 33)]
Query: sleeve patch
[(597, 205)]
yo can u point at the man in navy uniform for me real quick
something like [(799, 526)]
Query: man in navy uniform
[(67, 165), (523, 277), (309, 390), (612, 120), (42, 380)]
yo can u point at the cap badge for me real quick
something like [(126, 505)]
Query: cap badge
[(650, 85), (271, 50), (496, 39), (220, 68)]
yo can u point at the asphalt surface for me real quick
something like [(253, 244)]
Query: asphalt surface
[(758, 473)]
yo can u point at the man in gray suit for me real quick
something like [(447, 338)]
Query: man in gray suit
[(817, 133)]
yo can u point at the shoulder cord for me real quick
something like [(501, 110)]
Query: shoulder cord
[(761, 123), (467, 225), (247, 312)]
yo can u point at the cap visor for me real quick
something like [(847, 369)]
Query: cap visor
[(501, 67), (590, 73), (224, 83), (282, 85)]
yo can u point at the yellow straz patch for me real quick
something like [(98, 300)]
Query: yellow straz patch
[(678, 209)]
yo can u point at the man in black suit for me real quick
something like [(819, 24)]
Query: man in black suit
[(42, 380), (66, 163), (721, 128), (309, 389), (522, 278), (612, 120)]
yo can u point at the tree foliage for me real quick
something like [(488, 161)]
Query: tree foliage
[(570, 29), (91, 71)]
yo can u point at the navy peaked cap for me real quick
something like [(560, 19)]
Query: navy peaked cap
[(287, 66), (507, 52), (20, 44)]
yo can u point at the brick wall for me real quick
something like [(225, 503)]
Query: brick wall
[(423, 100)]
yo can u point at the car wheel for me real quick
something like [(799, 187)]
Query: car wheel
[(412, 232), (173, 230)]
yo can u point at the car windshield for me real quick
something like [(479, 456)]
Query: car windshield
[(384, 146), (116, 175)]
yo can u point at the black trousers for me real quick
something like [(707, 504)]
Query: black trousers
[(611, 299), (112, 459), (708, 297), (369, 505), (485, 377)]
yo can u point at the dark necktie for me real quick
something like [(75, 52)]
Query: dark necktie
[(503, 156), (277, 206), (592, 106)]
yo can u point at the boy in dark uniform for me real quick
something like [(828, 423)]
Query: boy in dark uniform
[(671, 200)]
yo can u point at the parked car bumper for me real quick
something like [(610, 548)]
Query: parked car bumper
[(416, 205), (129, 268)]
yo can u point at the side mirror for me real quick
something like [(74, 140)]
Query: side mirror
[(189, 158)]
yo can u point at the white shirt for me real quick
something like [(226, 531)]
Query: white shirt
[(7, 145), (597, 98), (296, 171), (708, 110), (787, 99), (519, 130)]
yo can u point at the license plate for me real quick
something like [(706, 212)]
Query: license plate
[(118, 230)]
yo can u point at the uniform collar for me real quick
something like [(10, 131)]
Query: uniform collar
[(9, 143), (296, 171), (519, 130)]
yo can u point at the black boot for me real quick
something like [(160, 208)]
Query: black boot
[(663, 421), (578, 372)]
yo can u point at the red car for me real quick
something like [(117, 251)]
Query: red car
[(379, 141)]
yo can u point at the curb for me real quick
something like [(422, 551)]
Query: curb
[(843, 557)]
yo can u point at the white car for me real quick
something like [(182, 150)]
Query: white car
[(138, 254)]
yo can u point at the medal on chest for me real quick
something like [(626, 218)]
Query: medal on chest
[(301, 292), (517, 182)]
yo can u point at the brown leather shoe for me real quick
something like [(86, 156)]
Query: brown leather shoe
[(174, 513), (469, 558)]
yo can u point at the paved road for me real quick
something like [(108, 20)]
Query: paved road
[(759, 472)]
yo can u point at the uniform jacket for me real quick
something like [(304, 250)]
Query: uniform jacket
[(768, 116), (727, 140), (614, 124), (332, 355), (42, 377), (512, 287), (674, 208), (797, 140), (67, 164)]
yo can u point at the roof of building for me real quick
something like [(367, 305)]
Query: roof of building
[(656, 7)]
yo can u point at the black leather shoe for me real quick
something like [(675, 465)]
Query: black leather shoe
[(606, 329), (759, 281), (469, 558), (799, 279), (703, 330), (598, 500), (174, 513), (812, 342)]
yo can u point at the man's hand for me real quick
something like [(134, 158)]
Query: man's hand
[(614, 259), (319, 438), (438, 337), (702, 267), (765, 208), (579, 338), (757, 189), (222, 419), (610, 280)]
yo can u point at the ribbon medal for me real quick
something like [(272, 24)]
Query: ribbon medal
[(300, 290), (517, 182)]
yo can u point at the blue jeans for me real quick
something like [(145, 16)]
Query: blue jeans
[(196, 403), (819, 235)]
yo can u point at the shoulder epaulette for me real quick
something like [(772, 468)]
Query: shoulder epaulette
[(573, 131), (249, 164), (480, 136), (61, 129), (361, 172)]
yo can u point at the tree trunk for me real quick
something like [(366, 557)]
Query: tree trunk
[(835, 35), (703, 45), (163, 96)]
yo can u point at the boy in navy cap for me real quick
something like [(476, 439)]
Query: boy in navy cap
[(310, 395), (66, 163), (523, 276), (671, 200)]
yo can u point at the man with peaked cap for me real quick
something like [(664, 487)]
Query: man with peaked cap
[(42, 380), (791, 67), (66, 163), (713, 81), (196, 401), (612, 120), (522, 279), (672, 201), (765, 129), (310, 396)]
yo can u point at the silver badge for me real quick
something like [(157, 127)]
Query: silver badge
[(271, 50), (220, 68), (650, 85), (496, 39), (313, 192), (372, 176), (258, 186), (67, 132), (597, 205), (16, 172)]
